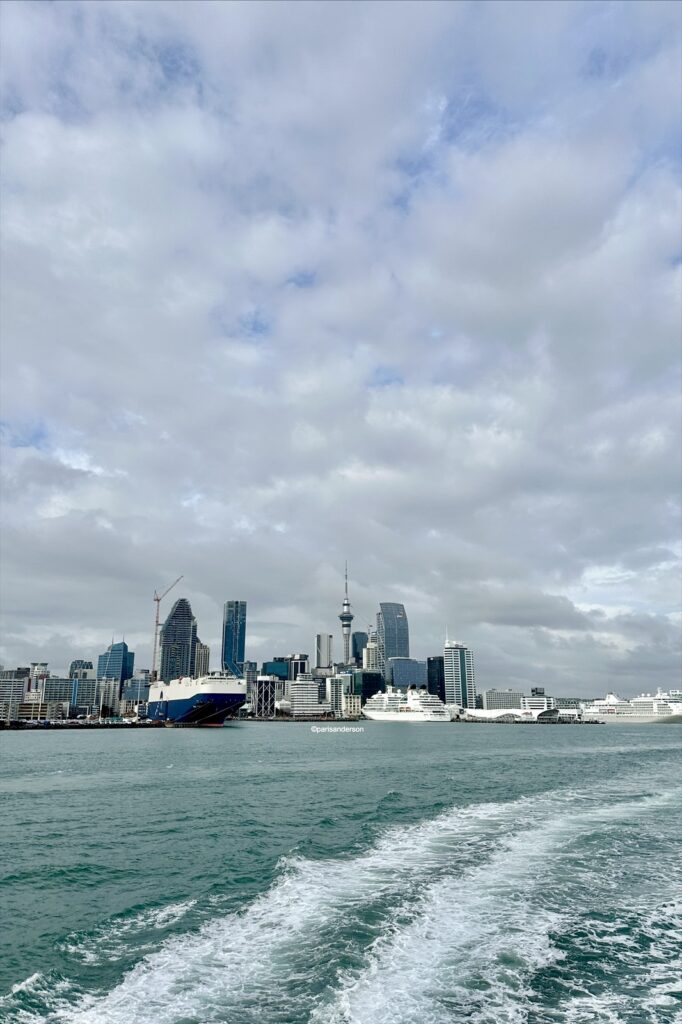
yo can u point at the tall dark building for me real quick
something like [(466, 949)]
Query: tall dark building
[(435, 676), (393, 634), (117, 662), (178, 642), (78, 667), (367, 682), (234, 637), (359, 642)]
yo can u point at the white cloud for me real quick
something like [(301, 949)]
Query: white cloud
[(288, 284)]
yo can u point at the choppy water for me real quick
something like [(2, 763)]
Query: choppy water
[(263, 874)]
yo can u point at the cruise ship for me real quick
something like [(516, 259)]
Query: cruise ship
[(662, 706), (411, 705), (208, 700)]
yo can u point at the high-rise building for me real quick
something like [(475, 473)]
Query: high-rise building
[(323, 650), (202, 659), (393, 635), (305, 698), (234, 637), (370, 655), (78, 667), (117, 662), (299, 664), (358, 644), (367, 682), (346, 617), (460, 685), (435, 676), (404, 672), (178, 642)]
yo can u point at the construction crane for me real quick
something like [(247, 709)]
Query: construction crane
[(158, 599)]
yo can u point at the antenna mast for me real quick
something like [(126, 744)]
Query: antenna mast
[(158, 599)]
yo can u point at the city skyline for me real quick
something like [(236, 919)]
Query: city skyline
[(437, 334)]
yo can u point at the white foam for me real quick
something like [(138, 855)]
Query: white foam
[(471, 947), (116, 938), (451, 901), (247, 957)]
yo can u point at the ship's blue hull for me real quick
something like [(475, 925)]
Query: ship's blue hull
[(202, 709)]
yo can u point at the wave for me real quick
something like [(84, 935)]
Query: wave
[(441, 921)]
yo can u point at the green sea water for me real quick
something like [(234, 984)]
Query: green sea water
[(267, 874)]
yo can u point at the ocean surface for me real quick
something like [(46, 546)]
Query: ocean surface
[(268, 874)]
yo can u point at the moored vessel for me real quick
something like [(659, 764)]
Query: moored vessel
[(209, 700), (648, 708), (411, 705)]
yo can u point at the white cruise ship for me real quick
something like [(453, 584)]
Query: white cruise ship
[(656, 707), (410, 705)]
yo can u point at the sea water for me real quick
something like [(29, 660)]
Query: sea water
[(406, 874)]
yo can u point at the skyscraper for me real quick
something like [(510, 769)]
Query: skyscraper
[(346, 617), (358, 644), (202, 659), (323, 650), (78, 667), (393, 634), (460, 686), (117, 662), (435, 676), (234, 637), (178, 642)]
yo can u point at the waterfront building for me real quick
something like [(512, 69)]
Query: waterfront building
[(493, 700), (202, 660), (358, 644), (352, 705), (12, 693), (109, 697), (56, 690), (538, 701), (84, 697), (346, 616), (265, 693), (178, 642), (435, 676), (335, 694), (393, 635), (460, 685), (303, 695), (117, 662), (234, 637), (404, 672), (323, 650)]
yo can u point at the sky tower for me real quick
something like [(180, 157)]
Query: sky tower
[(346, 617)]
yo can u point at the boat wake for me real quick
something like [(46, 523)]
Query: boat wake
[(499, 912)]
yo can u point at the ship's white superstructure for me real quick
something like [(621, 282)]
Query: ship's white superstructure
[(410, 705), (662, 706)]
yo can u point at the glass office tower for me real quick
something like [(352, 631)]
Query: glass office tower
[(234, 637)]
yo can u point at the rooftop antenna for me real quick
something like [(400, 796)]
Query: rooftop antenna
[(158, 598)]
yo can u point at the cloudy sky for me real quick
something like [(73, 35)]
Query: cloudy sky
[(285, 284)]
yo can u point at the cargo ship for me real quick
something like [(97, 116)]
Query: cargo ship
[(209, 700)]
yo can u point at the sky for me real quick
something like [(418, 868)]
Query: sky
[(289, 284)]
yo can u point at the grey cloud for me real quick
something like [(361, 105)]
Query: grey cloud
[(485, 208)]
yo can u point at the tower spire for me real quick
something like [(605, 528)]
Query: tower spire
[(346, 618)]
